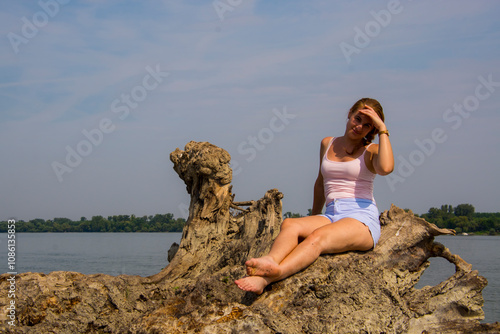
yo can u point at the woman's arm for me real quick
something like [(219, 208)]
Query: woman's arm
[(383, 158), (319, 187)]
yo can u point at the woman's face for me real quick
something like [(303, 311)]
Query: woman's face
[(358, 125)]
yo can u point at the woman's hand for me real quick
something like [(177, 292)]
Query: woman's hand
[(378, 123), (383, 159)]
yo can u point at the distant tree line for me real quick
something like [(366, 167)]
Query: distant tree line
[(463, 219), (121, 223)]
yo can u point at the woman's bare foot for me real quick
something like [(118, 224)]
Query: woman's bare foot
[(262, 266), (252, 283)]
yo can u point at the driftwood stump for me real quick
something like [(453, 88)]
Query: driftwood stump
[(354, 292)]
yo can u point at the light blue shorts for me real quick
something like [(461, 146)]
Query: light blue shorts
[(364, 210)]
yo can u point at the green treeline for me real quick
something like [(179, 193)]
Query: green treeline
[(464, 219), (121, 223)]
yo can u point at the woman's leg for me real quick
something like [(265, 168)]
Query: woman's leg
[(292, 230), (344, 235)]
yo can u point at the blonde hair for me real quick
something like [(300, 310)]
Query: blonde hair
[(361, 104)]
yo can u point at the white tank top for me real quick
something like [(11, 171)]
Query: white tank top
[(349, 179)]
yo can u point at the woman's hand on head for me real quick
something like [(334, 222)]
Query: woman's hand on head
[(378, 123)]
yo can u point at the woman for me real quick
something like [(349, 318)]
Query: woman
[(348, 166)]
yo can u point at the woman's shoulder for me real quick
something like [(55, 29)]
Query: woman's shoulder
[(326, 141), (372, 148)]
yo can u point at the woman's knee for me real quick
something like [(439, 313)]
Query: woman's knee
[(289, 223), (295, 225), (305, 225), (316, 241)]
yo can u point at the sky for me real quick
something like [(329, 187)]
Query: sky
[(95, 95)]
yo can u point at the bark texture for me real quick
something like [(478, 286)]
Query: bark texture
[(354, 292)]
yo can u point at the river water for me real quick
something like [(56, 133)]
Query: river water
[(145, 254)]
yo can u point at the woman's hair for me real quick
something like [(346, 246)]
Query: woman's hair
[(361, 104)]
